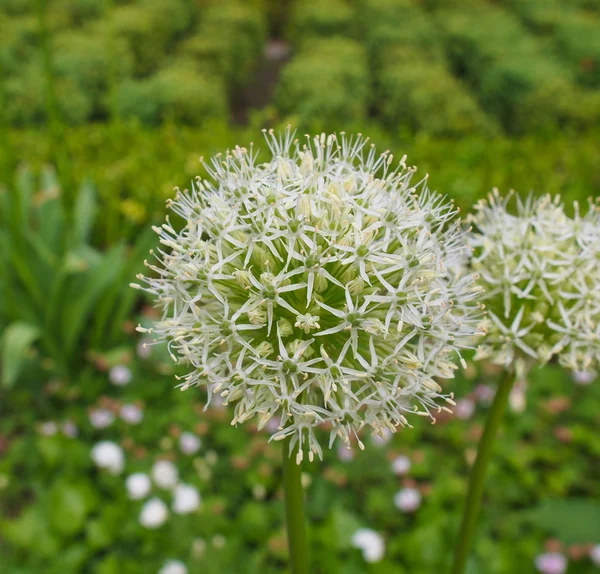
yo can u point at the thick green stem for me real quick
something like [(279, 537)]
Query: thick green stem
[(478, 473), (294, 510)]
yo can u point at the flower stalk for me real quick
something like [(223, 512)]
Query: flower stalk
[(294, 510), (478, 473)]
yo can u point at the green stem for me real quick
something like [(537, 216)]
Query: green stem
[(478, 473), (294, 510)]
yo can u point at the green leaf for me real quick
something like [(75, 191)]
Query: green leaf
[(69, 505), (16, 342), (571, 520), (85, 209), (84, 298), (346, 524)]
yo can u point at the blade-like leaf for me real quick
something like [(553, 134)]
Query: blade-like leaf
[(16, 341), (79, 308), (85, 209)]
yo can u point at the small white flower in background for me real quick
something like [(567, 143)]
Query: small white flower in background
[(541, 279), (407, 499), (165, 474), (370, 543), (48, 428), (143, 348), (101, 418), (551, 563), (120, 375), (485, 394), (131, 414), (517, 398), (173, 567), (333, 286), (382, 438), (219, 541), (138, 485), (344, 453), (154, 513), (109, 456), (189, 443), (259, 492), (583, 377), (401, 465), (464, 409), (595, 555), (198, 547), (186, 500), (70, 429)]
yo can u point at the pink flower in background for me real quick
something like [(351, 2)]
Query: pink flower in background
[(551, 563), (464, 409), (401, 465), (120, 375), (101, 418), (189, 443), (344, 453), (583, 377), (407, 499), (131, 414)]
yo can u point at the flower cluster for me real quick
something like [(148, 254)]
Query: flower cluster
[(320, 287), (541, 273)]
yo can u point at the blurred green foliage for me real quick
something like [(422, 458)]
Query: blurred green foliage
[(55, 287), (326, 83)]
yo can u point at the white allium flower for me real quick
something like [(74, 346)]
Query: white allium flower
[(187, 499), (595, 554), (173, 567), (138, 485), (101, 418), (401, 465), (165, 474), (407, 499), (551, 563), (189, 443), (120, 375), (109, 455), (322, 286), (131, 414), (541, 274), (370, 543), (154, 513)]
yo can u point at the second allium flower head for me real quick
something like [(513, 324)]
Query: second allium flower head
[(321, 286), (541, 273)]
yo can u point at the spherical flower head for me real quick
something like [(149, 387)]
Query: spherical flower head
[(540, 272), (321, 286)]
